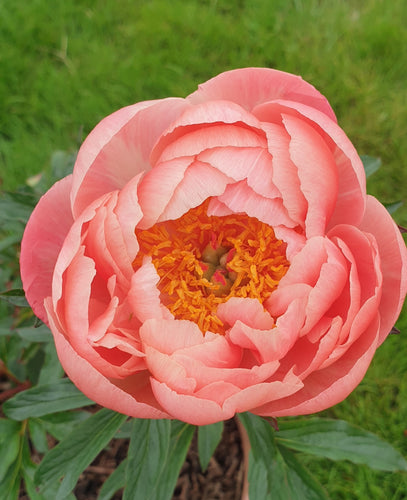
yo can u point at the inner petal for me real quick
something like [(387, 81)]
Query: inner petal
[(203, 261)]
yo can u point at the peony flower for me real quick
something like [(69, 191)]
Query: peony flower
[(216, 254)]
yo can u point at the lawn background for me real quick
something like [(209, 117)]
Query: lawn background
[(66, 64)]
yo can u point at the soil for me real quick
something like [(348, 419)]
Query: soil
[(223, 479)]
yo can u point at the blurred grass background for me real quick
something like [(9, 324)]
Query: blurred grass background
[(66, 64)]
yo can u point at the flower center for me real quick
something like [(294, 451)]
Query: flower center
[(204, 260)]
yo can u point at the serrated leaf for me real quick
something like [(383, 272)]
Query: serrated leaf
[(274, 473), (208, 439), (370, 164), (339, 440), (72, 455), (44, 399), (114, 482)]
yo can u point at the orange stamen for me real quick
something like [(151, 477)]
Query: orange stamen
[(204, 260)]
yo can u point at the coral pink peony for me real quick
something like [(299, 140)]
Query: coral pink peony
[(216, 254)]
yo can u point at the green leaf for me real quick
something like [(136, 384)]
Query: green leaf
[(114, 482), (28, 471), (72, 455), (370, 164), (9, 241), (392, 207), (274, 473), (263, 454), (38, 435), (301, 484), (16, 207), (148, 452), (10, 482), (8, 427), (35, 334), (181, 437), (62, 163), (125, 430), (33, 357), (339, 440), (208, 439), (44, 399), (9, 444), (61, 424), (6, 326), (157, 451), (51, 368), (15, 297)]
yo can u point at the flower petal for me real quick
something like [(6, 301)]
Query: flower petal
[(250, 87), (393, 257), (351, 183), (175, 186), (99, 388), (329, 386), (118, 149), (42, 241), (211, 124)]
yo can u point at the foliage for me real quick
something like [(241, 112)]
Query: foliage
[(65, 68), (42, 403)]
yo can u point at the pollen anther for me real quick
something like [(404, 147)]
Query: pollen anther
[(202, 261)]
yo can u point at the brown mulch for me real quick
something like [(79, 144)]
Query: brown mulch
[(223, 479)]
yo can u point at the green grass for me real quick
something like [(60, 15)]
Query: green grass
[(66, 64)]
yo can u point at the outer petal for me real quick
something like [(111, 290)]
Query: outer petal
[(99, 388), (42, 241), (350, 203), (250, 87), (189, 408), (329, 386), (119, 147), (393, 255), (90, 282)]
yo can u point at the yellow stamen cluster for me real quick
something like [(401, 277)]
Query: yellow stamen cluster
[(248, 258)]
